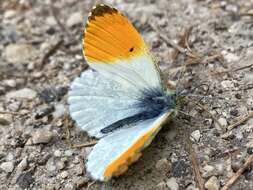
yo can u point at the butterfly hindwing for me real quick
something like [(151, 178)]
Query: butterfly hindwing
[(112, 155)]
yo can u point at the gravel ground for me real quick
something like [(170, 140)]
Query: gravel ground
[(40, 54)]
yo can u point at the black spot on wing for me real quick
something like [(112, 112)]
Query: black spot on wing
[(131, 49)]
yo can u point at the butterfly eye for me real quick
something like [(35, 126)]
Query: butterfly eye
[(131, 49)]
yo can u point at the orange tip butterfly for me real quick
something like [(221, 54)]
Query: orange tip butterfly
[(122, 100)]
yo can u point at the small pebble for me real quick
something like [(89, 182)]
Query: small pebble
[(25, 180), (79, 170), (74, 19), (250, 150), (230, 57), (232, 8), (208, 171), (81, 182), (64, 174), (161, 186), (238, 96), (192, 187), (8, 14), (57, 153), (219, 167), (26, 93), (7, 167), (163, 165), (70, 186), (68, 153), (23, 164), (76, 160), (10, 83), (50, 165), (60, 110), (40, 136), (60, 165), (44, 112), (234, 112), (195, 136), (14, 106), (212, 183), (223, 123), (236, 164), (20, 53), (5, 119), (250, 101), (227, 84), (172, 184)]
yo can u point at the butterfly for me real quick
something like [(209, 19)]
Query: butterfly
[(122, 100)]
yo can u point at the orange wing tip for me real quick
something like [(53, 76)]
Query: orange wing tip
[(109, 36)]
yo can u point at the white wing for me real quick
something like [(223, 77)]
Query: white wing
[(96, 101), (113, 153)]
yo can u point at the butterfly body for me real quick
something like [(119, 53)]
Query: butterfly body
[(151, 104), (122, 100)]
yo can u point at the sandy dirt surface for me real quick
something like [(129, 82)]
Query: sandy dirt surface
[(40, 54)]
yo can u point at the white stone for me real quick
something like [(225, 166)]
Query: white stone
[(26, 93), (68, 153), (60, 110), (223, 122), (51, 21), (10, 83), (20, 53), (172, 184), (250, 101), (75, 18), (230, 57), (212, 183), (64, 174), (5, 119), (57, 153), (161, 186), (41, 136), (50, 165), (227, 84), (23, 164), (195, 136), (7, 166), (162, 165), (8, 14), (208, 171)]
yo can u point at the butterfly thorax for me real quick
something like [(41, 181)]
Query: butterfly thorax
[(151, 103)]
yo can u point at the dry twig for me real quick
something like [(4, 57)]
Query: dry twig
[(54, 12), (85, 144), (50, 52), (240, 121), (195, 165), (10, 112), (234, 70), (90, 184), (236, 124), (238, 173)]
